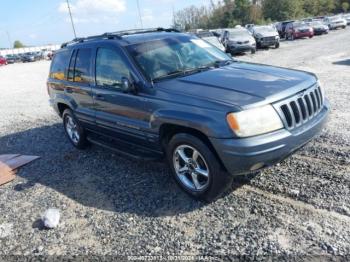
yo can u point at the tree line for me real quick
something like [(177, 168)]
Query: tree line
[(228, 13)]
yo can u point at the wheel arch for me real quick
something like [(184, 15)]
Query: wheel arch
[(167, 131)]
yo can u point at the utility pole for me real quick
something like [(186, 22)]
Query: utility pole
[(71, 19), (138, 8), (9, 39)]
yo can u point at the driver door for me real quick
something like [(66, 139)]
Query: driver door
[(118, 114)]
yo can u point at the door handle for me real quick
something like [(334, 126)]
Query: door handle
[(99, 97)]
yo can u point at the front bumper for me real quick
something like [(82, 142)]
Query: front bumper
[(267, 43), (303, 34), (241, 48), (241, 156)]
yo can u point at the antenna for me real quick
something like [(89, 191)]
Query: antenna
[(71, 19), (138, 8)]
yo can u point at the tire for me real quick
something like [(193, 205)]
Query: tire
[(292, 37), (76, 133), (253, 51), (277, 45), (208, 187)]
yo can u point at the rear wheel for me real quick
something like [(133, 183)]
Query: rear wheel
[(74, 130), (195, 168)]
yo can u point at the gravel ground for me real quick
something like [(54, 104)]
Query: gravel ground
[(112, 205)]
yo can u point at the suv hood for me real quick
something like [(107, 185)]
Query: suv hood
[(241, 84)]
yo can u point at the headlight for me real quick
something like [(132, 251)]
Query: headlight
[(254, 121), (319, 83)]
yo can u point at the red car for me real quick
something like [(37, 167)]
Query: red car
[(3, 61), (297, 29)]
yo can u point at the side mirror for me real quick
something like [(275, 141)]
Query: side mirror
[(127, 86)]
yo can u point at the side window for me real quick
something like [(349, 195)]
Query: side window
[(71, 66), (83, 66), (110, 68), (59, 65)]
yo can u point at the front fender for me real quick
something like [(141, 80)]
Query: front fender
[(212, 124)]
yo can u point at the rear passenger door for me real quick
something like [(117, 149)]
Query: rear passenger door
[(121, 115), (79, 85)]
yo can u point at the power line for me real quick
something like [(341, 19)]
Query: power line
[(71, 19)]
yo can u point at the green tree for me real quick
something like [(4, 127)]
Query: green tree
[(345, 6), (279, 10), (18, 44)]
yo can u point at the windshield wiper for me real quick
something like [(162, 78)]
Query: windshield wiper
[(169, 74)]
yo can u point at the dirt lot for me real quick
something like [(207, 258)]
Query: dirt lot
[(114, 205)]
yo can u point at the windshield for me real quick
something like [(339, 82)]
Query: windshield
[(316, 23), (237, 33), (172, 57), (334, 18), (263, 29), (205, 34), (299, 24)]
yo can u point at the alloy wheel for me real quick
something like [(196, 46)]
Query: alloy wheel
[(191, 168), (72, 129)]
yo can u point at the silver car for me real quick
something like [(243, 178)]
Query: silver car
[(238, 40), (211, 39), (266, 36), (335, 22)]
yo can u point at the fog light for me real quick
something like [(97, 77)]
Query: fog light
[(257, 166)]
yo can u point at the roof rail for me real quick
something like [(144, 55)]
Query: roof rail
[(118, 35)]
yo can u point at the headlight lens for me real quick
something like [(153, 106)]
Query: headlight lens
[(254, 121), (319, 83)]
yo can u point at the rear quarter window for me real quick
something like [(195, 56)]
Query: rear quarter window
[(59, 65)]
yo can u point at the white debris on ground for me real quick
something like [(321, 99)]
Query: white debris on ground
[(5, 230), (51, 218)]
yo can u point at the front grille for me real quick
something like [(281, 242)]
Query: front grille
[(300, 108), (269, 39)]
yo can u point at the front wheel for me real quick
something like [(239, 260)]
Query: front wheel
[(74, 130), (277, 45), (195, 168), (253, 51)]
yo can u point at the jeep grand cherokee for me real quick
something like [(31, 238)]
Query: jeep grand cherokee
[(154, 93)]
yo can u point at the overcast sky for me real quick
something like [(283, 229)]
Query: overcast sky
[(39, 22)]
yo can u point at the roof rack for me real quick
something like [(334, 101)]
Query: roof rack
[(118, 35)]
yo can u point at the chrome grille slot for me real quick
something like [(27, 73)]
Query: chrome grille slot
[(300, 108)]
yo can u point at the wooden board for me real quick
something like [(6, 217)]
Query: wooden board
[(19, 161), (4, 158), (10, 162), (7, 177), (6, 174)]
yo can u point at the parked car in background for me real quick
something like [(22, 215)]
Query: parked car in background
[(211, 38), (238, 40), (318, 27), (3, 60), (347, 18), (28, 57), (249, 27), (335, 22), (281, 28), (266, 36), (298, 29), (10, 59), (163, 94)]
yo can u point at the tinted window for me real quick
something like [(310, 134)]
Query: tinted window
[(83, 66), (110, 68), (59, 65), (71, 66)]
